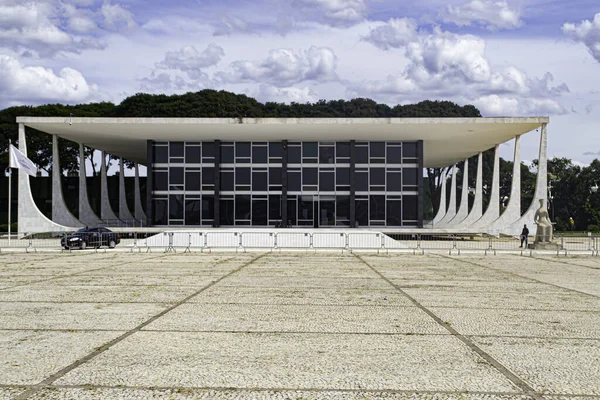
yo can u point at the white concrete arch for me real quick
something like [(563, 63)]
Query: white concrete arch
[(452, 204), (493, 210), (124, 213), (463, 208), (442, 207), (30, 218), (86, 214), (106, 212), (60, 212), (139, 210), (476, 210)]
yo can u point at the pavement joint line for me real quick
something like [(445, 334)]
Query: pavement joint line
[(63, 371), (517, 381), (519, 276), (71, 275), (564, 262)]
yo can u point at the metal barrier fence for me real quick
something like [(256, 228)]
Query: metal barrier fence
[(298, 240)]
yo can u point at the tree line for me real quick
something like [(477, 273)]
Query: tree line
[(572, 196)]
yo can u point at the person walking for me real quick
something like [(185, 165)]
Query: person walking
[(572, 224), (524, 236)]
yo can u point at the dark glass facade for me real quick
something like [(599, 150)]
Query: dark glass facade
[(299, 184)]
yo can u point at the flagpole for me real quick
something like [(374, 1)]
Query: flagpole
[(9, 191)]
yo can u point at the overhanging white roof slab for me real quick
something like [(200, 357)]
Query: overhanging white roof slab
[(445, 140)]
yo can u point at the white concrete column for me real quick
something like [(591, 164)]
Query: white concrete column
[(86, 214), (513, 210), (493, 210), (124, 213), (106, 212), (463, 209), (476, 210), (452, 204), (60, 212), (29, 217), (541, 189), (139, 210), (442, 207)]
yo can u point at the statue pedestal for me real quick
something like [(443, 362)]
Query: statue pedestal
[(544, 246)]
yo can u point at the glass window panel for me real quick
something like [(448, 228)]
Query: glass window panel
[(161, 212), (410, 176), (410, 149), (161, 154), (343, 207), (192, 154), (192, 180), (259, 181), (327, 211), (394, 155), (242, 149), (342, 149), (226, 212), (377, 176), (362, 181), (310, 176), (305, 207), (175, 149), (176, 206), (292, 211), (275, 150), (409, 207), (362, 155), (192, 212), (377, 149), (227, 154), (310, 150), (242, 207), (259, 212), (176, 176), (208, 176), (377, 208), (294, 181), (227, 181), (394, 213), (394, 182), (327, 181), (208, 151), (327, 155), (275, 176), (259, 154), (275, 207), (208, 207), (294, 154), (242, 176), (160, 180), (362, 212), (342, 176)]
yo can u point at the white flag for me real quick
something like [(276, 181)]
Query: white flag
[(19, 160)]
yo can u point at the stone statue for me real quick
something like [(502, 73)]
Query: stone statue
[(544, 225)]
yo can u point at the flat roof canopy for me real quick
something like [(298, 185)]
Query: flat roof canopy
[(446, 141)]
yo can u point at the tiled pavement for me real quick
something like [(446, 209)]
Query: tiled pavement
[(89, 325)]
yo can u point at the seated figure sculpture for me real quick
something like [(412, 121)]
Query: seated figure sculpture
[(544, 225)]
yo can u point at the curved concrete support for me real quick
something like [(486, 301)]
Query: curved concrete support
[(139, 210), (513, 209), (30, 218), (442, 208), (60, 212), (106, 212), (463, 208), (541, 190), (86, 214), (476, 210), (493, 210), (124, 213), (452, 204)]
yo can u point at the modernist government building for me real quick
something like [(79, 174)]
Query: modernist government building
[(288, 172)]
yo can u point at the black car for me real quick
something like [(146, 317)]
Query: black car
[(91, 237)]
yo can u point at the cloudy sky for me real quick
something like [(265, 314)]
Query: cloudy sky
[(507, 57)]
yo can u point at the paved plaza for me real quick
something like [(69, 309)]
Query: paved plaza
[(87, 325)]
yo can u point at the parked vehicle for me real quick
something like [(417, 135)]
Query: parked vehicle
[(91, 237)]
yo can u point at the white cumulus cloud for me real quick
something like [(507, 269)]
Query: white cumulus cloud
[(268, 93), (586, 32), (490, 14), (189, 60), (335, 12), (285, 67), (32, 84), (230, 25), (396, 33), (116, 17)]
